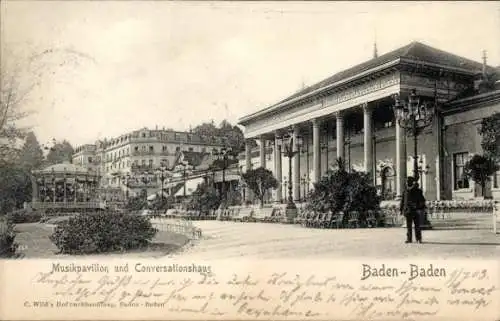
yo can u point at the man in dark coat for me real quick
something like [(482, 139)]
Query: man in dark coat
[(412, 205)]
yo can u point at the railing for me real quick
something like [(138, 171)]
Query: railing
[(185, 228), (143, 152), (138, 168), (65, 205), (152, 184)]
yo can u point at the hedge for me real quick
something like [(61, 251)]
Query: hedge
[(7, 236), (24, 216), (102, 232)]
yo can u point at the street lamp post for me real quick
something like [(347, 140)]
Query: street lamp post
[(287, 142), (285, 184), (223, 156), (162, 175), (126, 182), (414, 116), (184, 165)]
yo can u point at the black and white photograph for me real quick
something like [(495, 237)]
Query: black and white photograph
[(199, 131)]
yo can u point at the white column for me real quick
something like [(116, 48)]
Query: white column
[(340, 136), (368, 143), (316, 151), (401, 160), (279, 178), (296, 166), (262, 153)]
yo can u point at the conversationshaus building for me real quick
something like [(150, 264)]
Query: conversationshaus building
[(350, 115)]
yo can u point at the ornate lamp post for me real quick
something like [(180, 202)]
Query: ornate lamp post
[(414, 116), (126, 182), (161, 173), (223, 157), (287, 143), (184, 176), (285, 184)]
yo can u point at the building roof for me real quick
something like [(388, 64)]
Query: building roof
[(414, 51), (194, 158), (489, 97)]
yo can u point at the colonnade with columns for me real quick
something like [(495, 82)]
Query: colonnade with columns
[(368, 135)]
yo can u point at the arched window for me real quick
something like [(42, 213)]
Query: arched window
[(388, 183)]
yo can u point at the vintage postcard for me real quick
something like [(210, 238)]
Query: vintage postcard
[(178, 160)]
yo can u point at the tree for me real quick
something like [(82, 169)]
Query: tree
[(206, 129), (479, 168), (260, 180), (60, 152), (136, 203), (487, 83), (15, 187), (490, 136), (31, 155), (162, 203), (12, 108), (12, 97), (233, 134), (204, 199)]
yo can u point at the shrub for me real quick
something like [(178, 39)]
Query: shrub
[(24, 216), (340, 190), (136, 203), (204, 199), (102, 232), (7, 237)]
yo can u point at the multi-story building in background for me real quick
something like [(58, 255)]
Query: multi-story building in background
[(131, 162)]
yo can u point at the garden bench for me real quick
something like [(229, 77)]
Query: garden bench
[(243, 214), (263, 214), (277, 215)]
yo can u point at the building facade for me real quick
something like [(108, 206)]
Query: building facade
[(132, 160), (350, 115)]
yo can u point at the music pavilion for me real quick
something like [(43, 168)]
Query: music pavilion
[(351, 115)]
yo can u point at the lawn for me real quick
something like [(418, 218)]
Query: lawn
[(34, 242)]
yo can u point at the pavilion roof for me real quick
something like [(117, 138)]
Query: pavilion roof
[(65, 168)]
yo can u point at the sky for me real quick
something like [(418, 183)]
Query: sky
[(103, 68)]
